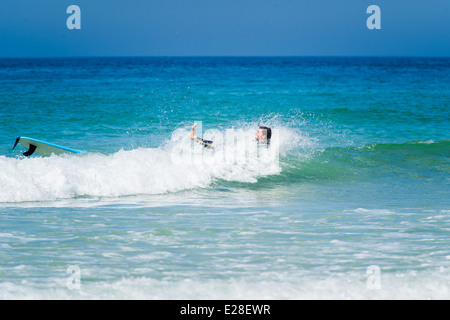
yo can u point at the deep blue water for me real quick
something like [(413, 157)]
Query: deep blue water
[(357, 175)]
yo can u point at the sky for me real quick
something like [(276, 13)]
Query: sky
[(37, 28)]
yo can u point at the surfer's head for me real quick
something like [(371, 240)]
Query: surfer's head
[(264, 134)]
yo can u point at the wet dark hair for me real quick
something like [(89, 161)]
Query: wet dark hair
[(267, 131)]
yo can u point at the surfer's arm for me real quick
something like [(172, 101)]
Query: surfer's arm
[(191, 134)]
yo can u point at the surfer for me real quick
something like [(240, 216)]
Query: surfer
[(263, 135)]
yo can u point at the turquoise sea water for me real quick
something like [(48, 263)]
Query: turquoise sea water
[(356, 179)]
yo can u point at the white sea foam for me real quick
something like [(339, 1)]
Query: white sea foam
[(260, 287), (179, 164)]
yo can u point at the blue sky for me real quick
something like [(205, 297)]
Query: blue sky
[(32, 28)]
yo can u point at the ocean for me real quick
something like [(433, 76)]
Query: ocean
[(350, 200)]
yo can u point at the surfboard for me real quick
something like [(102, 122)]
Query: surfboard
[(44, 148)]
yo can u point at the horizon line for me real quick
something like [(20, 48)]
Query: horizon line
[(229, 56)]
